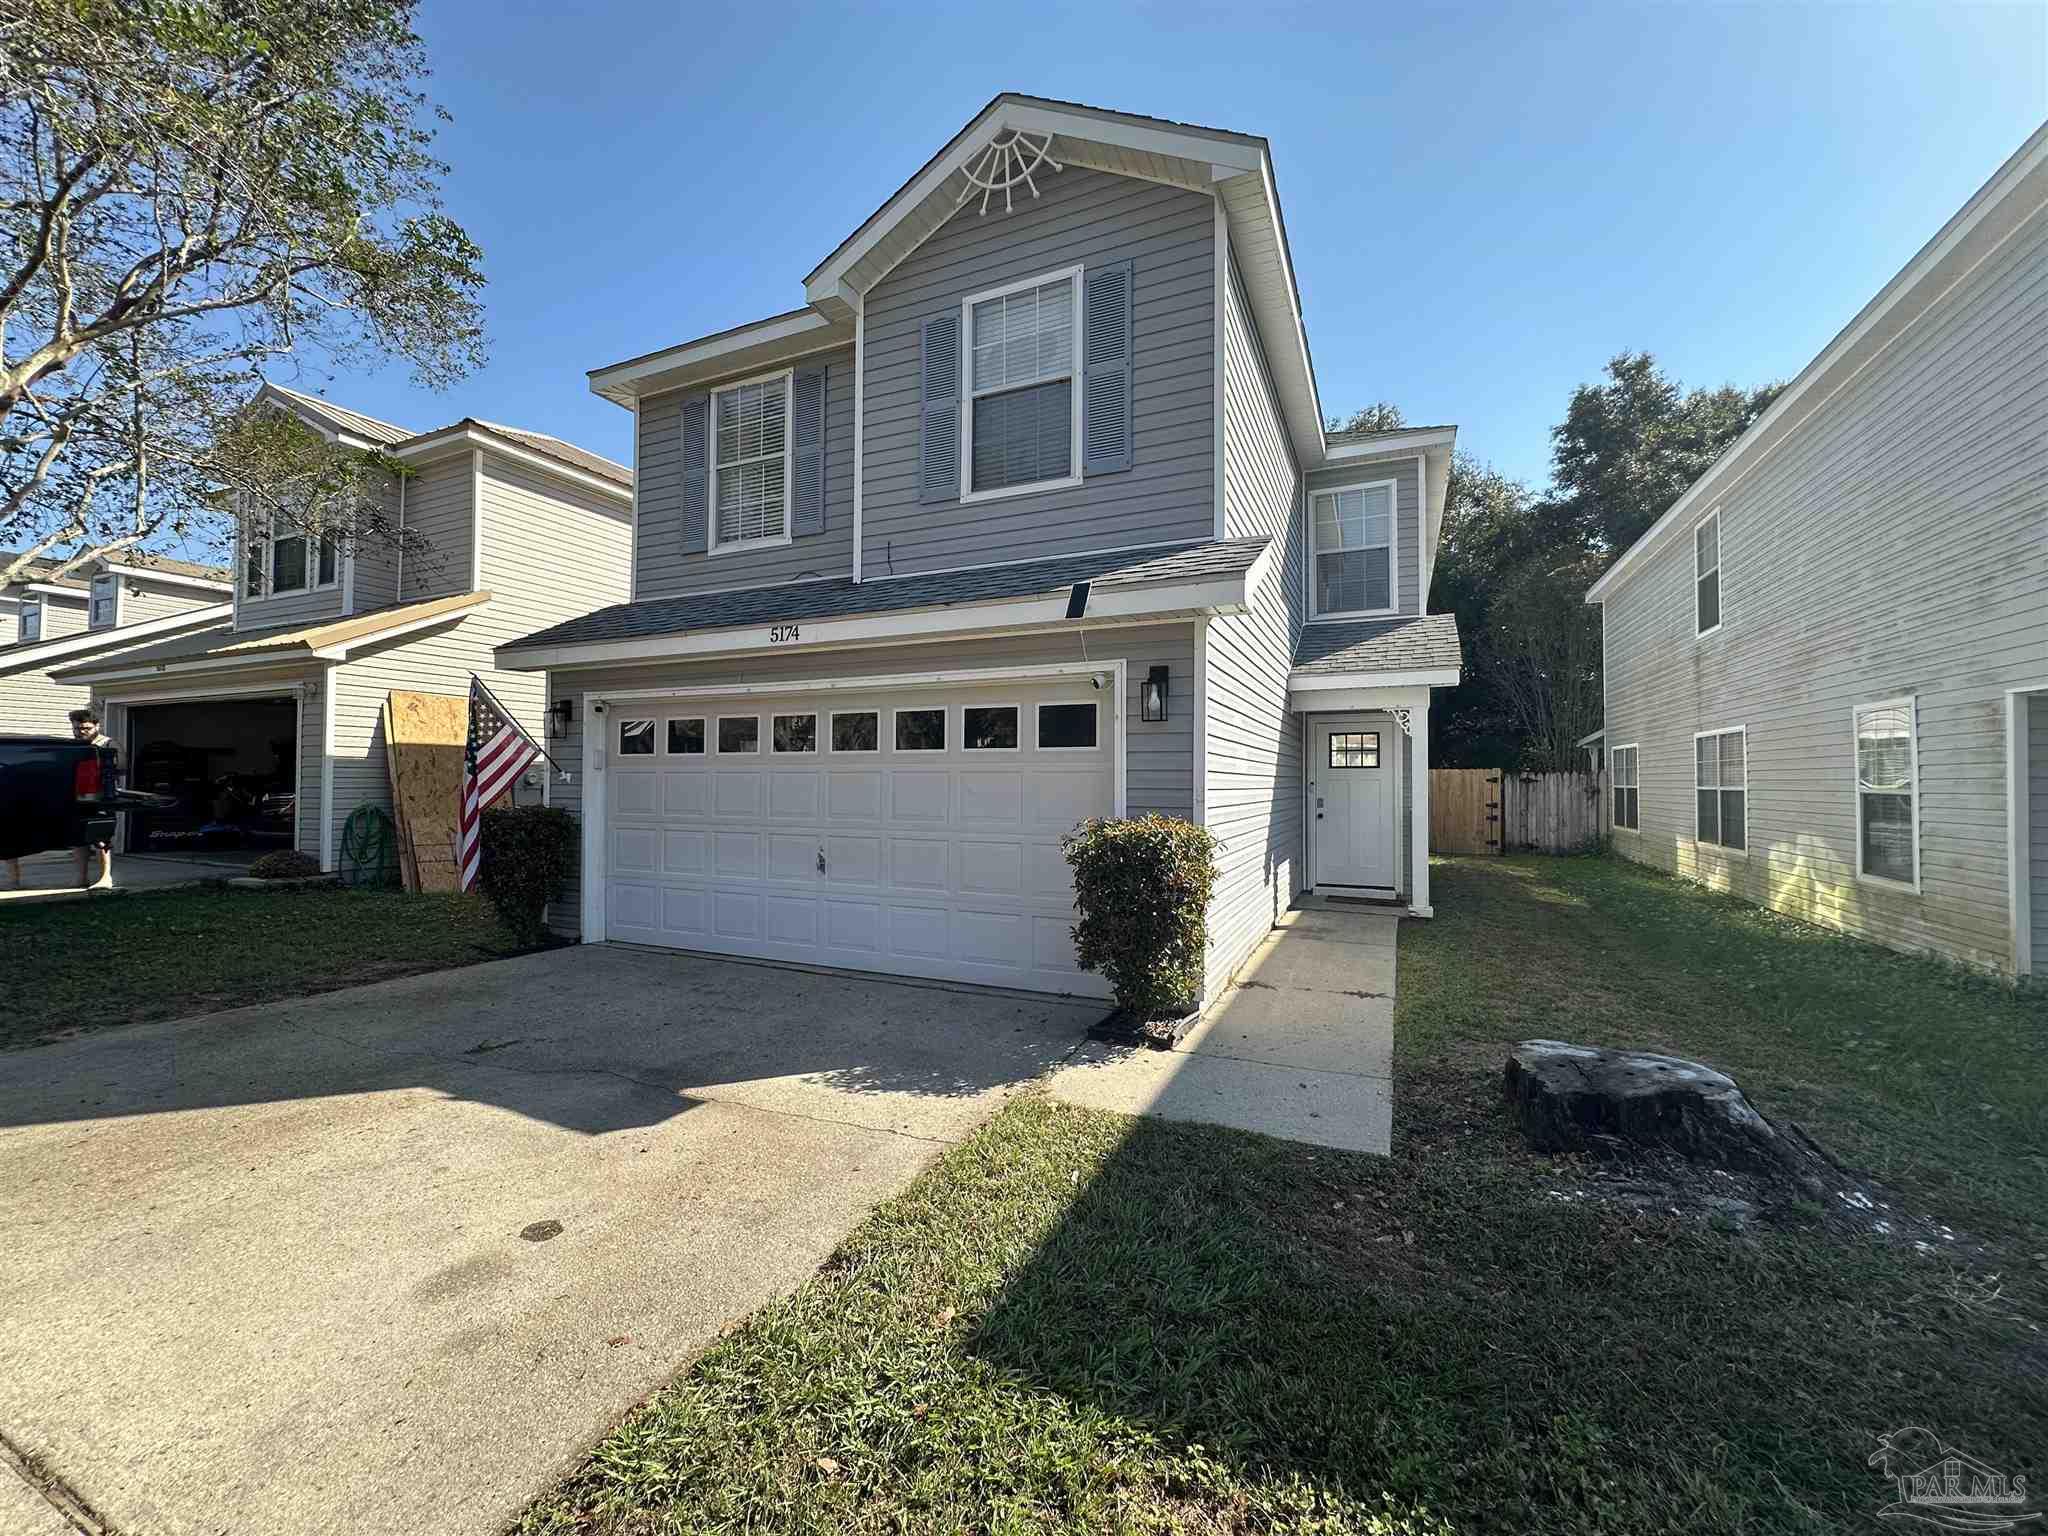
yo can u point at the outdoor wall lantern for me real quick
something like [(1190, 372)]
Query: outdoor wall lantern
[(559, 714), (1152, 696)]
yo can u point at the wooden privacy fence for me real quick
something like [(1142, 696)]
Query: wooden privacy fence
[(1485, 810)]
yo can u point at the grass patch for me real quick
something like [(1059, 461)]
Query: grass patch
[(80, 965), (1082, 1322)]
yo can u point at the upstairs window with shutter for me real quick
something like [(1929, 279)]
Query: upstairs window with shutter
[(1354, 549), (1022, 427), (750, 464)]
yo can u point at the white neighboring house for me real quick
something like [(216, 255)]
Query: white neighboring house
[(1029, 514), (1827, 663), (102, 608), (286, 690)]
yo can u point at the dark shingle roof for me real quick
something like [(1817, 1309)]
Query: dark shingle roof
[(1418, 642), (1366, 435), (38, 570), (143, 561), (841, 598)]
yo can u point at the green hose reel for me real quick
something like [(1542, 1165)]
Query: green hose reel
[(369, 848)]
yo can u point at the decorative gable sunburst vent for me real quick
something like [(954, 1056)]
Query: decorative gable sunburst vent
[(1007, 164)]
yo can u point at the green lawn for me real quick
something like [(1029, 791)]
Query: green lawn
[(76, 965), (1081, 1322)]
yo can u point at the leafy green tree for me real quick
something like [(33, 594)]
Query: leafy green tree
[(1377, 417), (190, 191)]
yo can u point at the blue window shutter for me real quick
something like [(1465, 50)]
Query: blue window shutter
[(807, 448), (1106, 369), (938, 472), (696, 476)]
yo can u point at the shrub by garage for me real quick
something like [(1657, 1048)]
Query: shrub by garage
[(529, 852), (1142, 886)]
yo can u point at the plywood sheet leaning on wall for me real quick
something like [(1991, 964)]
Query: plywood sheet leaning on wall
[(424, 736)]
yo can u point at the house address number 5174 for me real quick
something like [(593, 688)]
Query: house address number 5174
[(782, 634)]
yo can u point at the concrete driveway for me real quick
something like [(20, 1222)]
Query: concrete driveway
[(289, 1268)]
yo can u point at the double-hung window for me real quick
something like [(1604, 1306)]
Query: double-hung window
[(1888, 792), (103, 602), (1354, 549), (1627, 797), (1022, 428), (30, 613), (1721, 786), (750, 464), (287, 562), (1706, 575)]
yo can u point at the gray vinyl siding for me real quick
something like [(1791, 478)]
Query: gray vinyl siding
[(1252, 765), (290, 608), (143, 600), (438, 507), (551, 550), (1081, 217), (377, 561), (1404, 472), (30, 704), (1159, 768), (2037, 826), (1891, 546), (663, 569)]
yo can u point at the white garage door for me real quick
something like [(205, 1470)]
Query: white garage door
[(915, 832)]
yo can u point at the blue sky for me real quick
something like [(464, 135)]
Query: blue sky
[(1484, 204)]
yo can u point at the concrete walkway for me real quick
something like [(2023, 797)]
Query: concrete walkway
[(1302, 1046), (54, 876)]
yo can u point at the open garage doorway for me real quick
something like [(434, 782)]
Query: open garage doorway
[(231, 764)]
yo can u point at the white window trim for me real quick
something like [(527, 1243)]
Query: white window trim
[(665, 750), (112, 584), (23, 607), (968, 394), (1038, 709), (1637, 830), (1393, 489), (268, 568), (831, 743), (1720, 582), (920, 709), (817, 744), (712, 544), (717, 745), (1748, 822), (1910, 703), (1014, 705)]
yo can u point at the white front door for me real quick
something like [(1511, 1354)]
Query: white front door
[(1354, 802), (915, 832)]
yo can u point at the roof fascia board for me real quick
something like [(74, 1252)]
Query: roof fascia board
[(456, 439), (619, 381), (1212, 598), (170, 578), (2028, 168), (1397, 445), (1337, 682), (114, 639), (51, 589)]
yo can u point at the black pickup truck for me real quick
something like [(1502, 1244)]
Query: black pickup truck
[(58, 792)]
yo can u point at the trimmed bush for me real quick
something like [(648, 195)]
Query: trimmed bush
[(529, 852), (1143, 889), (284, 864)]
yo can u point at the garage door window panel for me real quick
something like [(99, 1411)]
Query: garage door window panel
[(794, 734), (1068, 727), (739, 735), (920, 730), (989, 727), (858, 730), (636, 738), (686, 737)]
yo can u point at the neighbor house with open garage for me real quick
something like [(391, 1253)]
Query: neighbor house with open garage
[(1827, 663), (275, 712), (1028, 515), (51, 617)]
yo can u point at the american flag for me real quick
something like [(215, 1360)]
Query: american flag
[(497, 754)]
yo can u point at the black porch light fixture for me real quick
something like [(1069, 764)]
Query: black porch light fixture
[(1152, 695), (559, 714)]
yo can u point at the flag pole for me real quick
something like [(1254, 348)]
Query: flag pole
[(513, 720)]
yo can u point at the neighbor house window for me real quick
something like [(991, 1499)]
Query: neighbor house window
[(103, 604), (1023, 424), (750, 464), (1627, 804), (287, 562), (30, 613), (1888, 792), (1354, 534), (1721, 784), (1706, 575)]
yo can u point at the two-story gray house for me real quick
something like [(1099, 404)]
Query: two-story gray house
[(1827, 663), (51, 618), (1029, 514), (508, 529)]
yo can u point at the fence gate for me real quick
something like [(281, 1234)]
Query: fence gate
[(1464, 810)]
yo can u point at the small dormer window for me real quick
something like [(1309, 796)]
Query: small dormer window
[(288, 562), (30, 612), (103, 604)]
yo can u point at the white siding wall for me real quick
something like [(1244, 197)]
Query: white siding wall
[(438, 507), (1252, 799), (1892, 545), (2037, 827), (1160, 758), (30, 704), (143, 599)]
